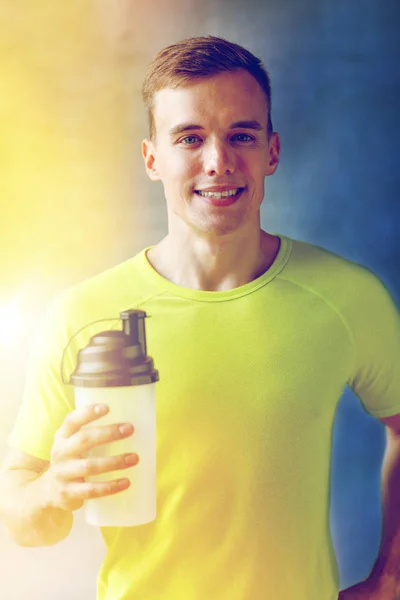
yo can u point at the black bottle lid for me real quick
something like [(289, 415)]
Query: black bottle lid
[(117, 358)]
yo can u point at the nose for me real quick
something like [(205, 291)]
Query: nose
[(218, 159)]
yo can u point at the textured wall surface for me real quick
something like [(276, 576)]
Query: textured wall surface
[(74, 198)]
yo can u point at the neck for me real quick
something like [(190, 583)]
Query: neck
[(215, 264)]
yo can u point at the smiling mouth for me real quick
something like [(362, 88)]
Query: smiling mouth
[(221, 199), (220, 195)]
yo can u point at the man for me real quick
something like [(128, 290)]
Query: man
[(255, 337)]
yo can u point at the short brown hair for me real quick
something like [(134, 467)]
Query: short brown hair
[(196, 58)]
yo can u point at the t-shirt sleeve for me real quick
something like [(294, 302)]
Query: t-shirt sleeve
[(374, 322), (46, 399)]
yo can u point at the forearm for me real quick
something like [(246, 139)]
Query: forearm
[(26, 510), (387, 565)]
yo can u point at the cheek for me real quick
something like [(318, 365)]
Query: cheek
[(182, 172), (176, 166)]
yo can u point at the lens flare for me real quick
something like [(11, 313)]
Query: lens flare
[(13, 324)]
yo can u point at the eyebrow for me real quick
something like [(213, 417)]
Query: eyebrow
[(255, 125)]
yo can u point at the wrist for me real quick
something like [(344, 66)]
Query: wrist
[(47, 498), (51, 522)]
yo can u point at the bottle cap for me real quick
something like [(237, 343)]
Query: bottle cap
[(117, 358)]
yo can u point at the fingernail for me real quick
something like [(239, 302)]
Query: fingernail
[(125, 429), (123, 482), (131, 459), (100, 409)]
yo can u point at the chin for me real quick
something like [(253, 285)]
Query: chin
[(217, 229)]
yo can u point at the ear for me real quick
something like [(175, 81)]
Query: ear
[(149, 156), (273, 154)]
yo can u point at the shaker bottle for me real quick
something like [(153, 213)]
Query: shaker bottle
[(114, 369)]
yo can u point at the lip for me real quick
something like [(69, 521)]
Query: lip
[(221, 201), (220, 188)]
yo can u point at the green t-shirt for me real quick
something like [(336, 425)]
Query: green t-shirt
[(250, 379)]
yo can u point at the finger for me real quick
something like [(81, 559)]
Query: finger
[(80, 417), (89, 437), (85, 467), (84, 491)]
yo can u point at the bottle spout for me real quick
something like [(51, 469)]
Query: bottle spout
[(134, 327)]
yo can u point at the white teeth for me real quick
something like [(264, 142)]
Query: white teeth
[(219, 194)]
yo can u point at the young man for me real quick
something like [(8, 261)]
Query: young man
[(255, 337)]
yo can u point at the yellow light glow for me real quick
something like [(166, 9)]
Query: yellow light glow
[(12, 323)]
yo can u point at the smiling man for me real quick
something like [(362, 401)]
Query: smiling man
[(255, 336), (212, 150)]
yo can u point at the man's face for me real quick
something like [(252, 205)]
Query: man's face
[(211, 136)]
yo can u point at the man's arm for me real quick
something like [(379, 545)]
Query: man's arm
[(387, 565), (383, 583)]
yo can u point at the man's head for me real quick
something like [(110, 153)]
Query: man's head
[(212, 143), (199, 58)]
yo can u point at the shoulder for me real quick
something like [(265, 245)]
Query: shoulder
[(353, 291), (330, 274), (310, 259), (107, 282), (89, 304), (103, 295)]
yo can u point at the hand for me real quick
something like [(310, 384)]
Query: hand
[(370, 590), (67, 488)]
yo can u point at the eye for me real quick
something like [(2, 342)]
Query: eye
[(242, 137), (189, 140)]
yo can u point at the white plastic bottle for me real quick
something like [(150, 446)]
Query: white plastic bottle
[(114, 369)]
